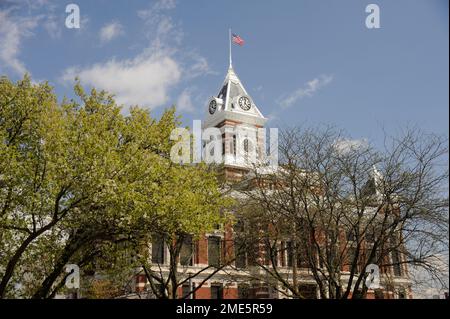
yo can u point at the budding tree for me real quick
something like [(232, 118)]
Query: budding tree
[(336, 206)]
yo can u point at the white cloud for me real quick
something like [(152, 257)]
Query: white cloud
[(347, 145), (273, 117), (53, 26), (160, 27), (156, 7), (307, 90), (13, 29), (198, 67), (17, 22), (147, 79), (144, 80), (54, 22), (184, 102), (110, 31)]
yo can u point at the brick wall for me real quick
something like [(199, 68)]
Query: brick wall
[(202, 251), (203, 293), (230, 293)]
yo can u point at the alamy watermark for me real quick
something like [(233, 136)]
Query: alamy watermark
[(373, 276), (73, 278), (373, 19), (73, 19)]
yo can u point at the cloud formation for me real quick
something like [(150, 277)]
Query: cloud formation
[(307, 90), (146, 79), (19, 20), (110, 31), (13, 29), (184, 101), (346, 145)]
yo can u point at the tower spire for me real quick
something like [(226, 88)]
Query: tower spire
[(229, 40)]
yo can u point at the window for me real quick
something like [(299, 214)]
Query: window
[(187, 251), (214, 251), (370, 236), (241, 256), (223, 92), (321, 260), (351, 258), (282, 255), (261, 290), (158, 249), (302, 256), (253, 252), (244, 291), (332, 255), (358, 294), (351, 235), (395, 256), (396, 263), (308, 291), (185, 290), (271, 253), (240, 246), (290, 253), (377, 255), (216, 292), (379, 294)]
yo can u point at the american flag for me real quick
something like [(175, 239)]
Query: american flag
[(237, 39)]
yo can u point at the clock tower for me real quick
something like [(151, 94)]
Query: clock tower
[(235, 114)]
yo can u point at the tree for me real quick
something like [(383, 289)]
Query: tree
[(334, 207), (79, 178), (190, 204)]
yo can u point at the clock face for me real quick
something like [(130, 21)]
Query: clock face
[(212, 106), (244, 103)]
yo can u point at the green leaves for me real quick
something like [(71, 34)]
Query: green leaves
[(65, 167)]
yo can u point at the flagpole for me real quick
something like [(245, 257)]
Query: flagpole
[(229, 40)]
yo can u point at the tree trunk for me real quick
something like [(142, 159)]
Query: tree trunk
[(73, 246), (16, 257)]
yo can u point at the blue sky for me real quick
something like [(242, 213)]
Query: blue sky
[(303, 62)]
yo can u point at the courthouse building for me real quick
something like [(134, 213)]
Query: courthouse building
[(234, 106)]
